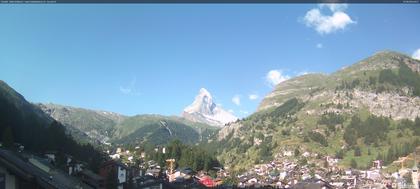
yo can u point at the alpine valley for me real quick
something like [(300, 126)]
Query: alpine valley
[(199, 121), (363, 112)]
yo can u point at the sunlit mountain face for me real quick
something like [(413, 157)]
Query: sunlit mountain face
[(205, 110)]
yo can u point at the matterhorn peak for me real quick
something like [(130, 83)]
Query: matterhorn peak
[(204, 92), (204, 110)]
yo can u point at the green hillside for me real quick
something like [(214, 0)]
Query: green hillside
[(157, 129), (101, 127), (361, 113)]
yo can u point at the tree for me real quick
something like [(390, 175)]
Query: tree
[(353, 163), (373, 130), (339, 154), (416, 126), (380, 156), (7, 137), (357, 151), (297, 152), (175, 148), (391, 156), (350, 136), (387, 76), (318, 137), (331, 119), (372, 81)]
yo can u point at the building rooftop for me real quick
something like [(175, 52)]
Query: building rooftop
[(32, 168)]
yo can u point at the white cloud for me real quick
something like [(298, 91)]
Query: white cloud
[(236, 100), (416, 54), (274, 77), (302, 73), (325, 24), (253, 96), (231, 111), (244, 112), (130, 89), (319, 45)]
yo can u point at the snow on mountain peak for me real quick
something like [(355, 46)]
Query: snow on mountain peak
[(204, 110), (204, 91)]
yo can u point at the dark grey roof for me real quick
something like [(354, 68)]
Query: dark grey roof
[(16, 163), (312, 184), (92, 175)]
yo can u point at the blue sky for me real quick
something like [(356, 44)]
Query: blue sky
[(137, 59)]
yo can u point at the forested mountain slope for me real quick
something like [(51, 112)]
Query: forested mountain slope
[(364, 112)]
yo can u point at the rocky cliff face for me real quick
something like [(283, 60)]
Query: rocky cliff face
[(204, 110)]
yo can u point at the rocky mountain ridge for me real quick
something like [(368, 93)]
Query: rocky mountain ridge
[(104, 127), (86, 125)]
